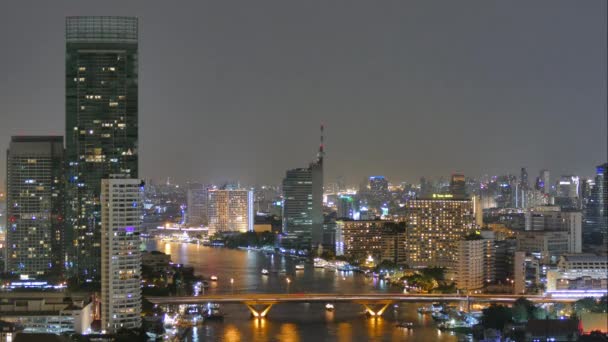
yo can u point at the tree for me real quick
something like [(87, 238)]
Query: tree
[(587, 304), (523, 310), (520, 313), (496, 317)]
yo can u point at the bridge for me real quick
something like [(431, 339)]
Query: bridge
[(375, 304)]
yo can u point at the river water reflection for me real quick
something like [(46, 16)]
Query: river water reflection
[(293, 322)]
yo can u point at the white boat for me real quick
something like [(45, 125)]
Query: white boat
[(299, 266), (213, 278), (264, 271), (320, 263)]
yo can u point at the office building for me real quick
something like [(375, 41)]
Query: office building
[(197, 200), (378, 189), (548, 245), (596, 218), (568, 194), (303, 204), (101, 84), (457, 186), (382, 240), (434, 227), (552, 225), (35, 210), (230, 211), (345, 206), (121, 210)]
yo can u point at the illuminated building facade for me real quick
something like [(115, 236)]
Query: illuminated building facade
[(35, 224), (471, 262), (121, 211), (345, 206), (596, 220), (230, 211), (434, 227), (101, 123), (383, 240)]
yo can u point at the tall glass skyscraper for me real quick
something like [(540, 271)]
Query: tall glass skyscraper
[(303, 204), (101, 123), (34, 238)]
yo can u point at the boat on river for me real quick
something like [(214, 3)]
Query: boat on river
[(320, 263), (405, 325), (299, 266)]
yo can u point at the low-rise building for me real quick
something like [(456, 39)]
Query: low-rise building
[(156, 261), (579, 275), (47, 312), (552, 330)]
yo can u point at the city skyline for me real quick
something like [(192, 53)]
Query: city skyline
[(223, 72)]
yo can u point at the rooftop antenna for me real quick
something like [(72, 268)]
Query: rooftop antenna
[(321, 152)]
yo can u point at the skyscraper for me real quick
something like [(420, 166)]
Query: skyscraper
[(378, 188), (303, 203), (121, 209), (35, 227), (544, 182), (596, 220), (101, 123), (230, 211)]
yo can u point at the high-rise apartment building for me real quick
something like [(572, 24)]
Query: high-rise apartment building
[(35, 207), (434, 227), (121, 210), (303, 204), (197, 200), (101, 84), (382, 240), (230, 211), (378, 189), (473, 265)]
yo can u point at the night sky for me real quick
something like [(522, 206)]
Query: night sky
[(236, 90)]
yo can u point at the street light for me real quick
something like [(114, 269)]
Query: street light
[(232, 285), (288, 282)]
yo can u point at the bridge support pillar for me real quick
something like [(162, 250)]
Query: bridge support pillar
[(376, 313), (257, 313)]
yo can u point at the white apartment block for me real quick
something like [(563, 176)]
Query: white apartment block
[(121, 259)]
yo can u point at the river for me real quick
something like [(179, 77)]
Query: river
[(294, 322)]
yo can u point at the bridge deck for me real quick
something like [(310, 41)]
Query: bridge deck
[(352, 298)]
